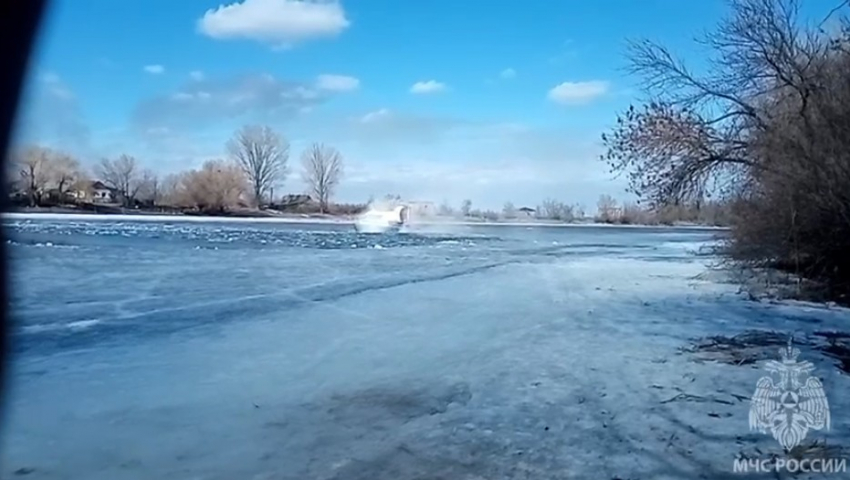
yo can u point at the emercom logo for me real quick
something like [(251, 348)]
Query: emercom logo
[(790, 465), (788, 404), (791, 407)]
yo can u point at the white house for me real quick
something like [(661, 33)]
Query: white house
[(94, 192)]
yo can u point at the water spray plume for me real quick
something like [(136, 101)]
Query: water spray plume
[(381, 217), (394, 215)]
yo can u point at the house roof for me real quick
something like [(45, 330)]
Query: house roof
[(89, 184)]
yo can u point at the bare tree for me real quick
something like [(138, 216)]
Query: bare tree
[(509, 210), (606, 209), (122, 174), (580, 211), (466, 207), (170, 189), (64, 171), (33, 165), (262, 155), (322, 172), (766, 127), (694, 137), (150, 188), (554, 210)]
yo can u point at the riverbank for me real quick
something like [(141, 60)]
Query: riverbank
[(108, 210), (279, 217), (63, 213)]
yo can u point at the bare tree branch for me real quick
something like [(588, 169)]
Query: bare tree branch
[(766, 126), (214, 188), (150, 188), (64, 172), (122, 174)]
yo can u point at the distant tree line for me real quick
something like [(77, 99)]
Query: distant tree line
[(257, 162), (609, 210), (766, 129)]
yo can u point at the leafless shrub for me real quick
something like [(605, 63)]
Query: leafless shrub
[(216, 187), (551, 209), (633, 214), (488, 215), (346, 208)]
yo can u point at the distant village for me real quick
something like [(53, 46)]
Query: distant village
[(96, 196)]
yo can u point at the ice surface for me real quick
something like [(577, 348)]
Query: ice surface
[(192, 350)]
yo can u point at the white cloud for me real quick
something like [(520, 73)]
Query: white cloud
[(390, 128), (154, 69), (250, 98), (188, 97), (56, 87), (337, 83), (278, 22), (508, 73), (197, 75), (300, 93), (575, 93), (375, 116), (429, 86)]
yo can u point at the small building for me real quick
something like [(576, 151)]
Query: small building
[(294, 200), (527, 211), (93, 192)]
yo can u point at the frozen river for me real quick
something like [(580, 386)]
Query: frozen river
[(227, 350)]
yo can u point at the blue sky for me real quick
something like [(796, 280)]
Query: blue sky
[(442, 100)]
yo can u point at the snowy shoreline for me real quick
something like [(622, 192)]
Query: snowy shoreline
[(312, 220)]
